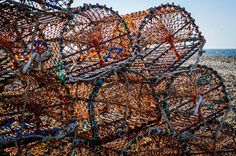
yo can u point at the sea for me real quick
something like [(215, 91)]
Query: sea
[(220, 52)]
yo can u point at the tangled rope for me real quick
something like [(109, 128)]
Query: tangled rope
[(87, 81)]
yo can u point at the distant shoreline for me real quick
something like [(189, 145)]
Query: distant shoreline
[(233, 49), (214, 57), (220, 52)]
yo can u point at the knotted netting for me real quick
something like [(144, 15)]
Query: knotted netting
[(87, 81)]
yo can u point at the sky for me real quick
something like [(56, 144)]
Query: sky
[(216, 18)]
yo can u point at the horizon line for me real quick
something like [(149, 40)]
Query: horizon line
[(221, 48)]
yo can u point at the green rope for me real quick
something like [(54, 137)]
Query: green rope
[(204, 79)]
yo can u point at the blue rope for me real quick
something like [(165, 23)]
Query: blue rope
[(109, 54)]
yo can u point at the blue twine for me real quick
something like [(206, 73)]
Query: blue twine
[(8, 124), (54, 0), (37, 43), (109, 53), (56, 129), (53, 6)]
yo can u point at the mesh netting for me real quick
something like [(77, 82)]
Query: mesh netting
[(87, 81)]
